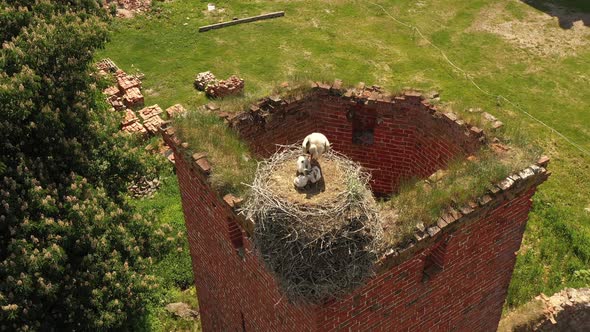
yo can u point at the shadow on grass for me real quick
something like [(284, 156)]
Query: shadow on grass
[(567, 11)]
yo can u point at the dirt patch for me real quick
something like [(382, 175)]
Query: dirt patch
[(320, 193), (568, 310), (128, 8), (537, 31)]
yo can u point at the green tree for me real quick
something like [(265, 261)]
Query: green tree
[(72, 254)]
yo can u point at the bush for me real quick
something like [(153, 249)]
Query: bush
[(176, 270), (74, 259), (74, 256)]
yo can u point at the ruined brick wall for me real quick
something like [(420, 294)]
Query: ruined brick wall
[(235, 291), (395, 139), (466, 293), (280, 124), (453, 277), (408, 138)]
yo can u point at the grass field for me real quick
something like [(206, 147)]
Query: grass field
[(540, 66)]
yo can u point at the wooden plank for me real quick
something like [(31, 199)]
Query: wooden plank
[(242, 20)]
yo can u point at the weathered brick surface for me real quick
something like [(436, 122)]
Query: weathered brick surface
[(474, 254), (292, 124), (466, 295), (233, 291), (410, 139)]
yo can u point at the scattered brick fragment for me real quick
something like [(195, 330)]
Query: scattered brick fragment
[(135, 128), (129, 117), (175, 110), (497, 124), (112, 91), (543, 161), (150, 111), (488, 117), (133, 97), (153, 124)]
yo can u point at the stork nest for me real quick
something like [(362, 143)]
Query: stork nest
[(321, 247)]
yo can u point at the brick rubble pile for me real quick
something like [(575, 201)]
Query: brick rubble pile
[(232, 86), (150, 111), (106, 67), (214, 88), (175, 110), (126, 81), (116, 102), (123, 97), (111, 91), (133, 97), (203, 79), (129, 118), (136, 128), (151, 118), (568, 310)]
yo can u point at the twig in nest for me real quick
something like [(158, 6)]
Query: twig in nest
[(316, 252)]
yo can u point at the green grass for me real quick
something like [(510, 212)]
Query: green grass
[(174, 270), (355, 41)]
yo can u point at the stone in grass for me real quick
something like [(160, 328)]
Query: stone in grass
[(182, 310), (437, 176), (497, 124), (488, 117)]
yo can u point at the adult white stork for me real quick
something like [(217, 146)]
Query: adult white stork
[(315, 145)]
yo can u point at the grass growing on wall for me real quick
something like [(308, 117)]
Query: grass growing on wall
[(355, 41), (231, 162), (464, 181)]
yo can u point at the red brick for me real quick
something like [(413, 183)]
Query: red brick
[(467, 294)]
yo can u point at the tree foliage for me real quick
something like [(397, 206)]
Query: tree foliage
[(73, 255)]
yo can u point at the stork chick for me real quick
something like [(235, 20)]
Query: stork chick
[(303, 166), (315, 145), (300, 181), (315, 175)]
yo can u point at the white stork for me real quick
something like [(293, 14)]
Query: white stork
[(315, 145)]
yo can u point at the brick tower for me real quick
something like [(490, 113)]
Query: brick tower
[(453, 276)]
